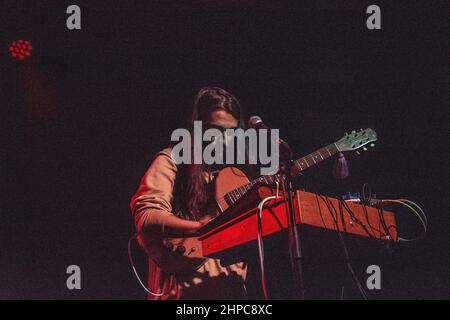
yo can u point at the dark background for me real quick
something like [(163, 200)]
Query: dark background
[(81, 120)]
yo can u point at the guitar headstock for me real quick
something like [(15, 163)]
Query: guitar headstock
[(356, 139)]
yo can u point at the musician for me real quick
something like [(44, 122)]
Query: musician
[(170, 202)]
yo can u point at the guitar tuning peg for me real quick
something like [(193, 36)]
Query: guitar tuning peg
[(372, 145), (365, 149), (353, 131), (358, 153)]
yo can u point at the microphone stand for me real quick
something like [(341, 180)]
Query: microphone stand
[(295, 251)]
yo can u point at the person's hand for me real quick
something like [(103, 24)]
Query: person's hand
[(196, 225), (174, 227)]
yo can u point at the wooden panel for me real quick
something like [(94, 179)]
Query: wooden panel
[(330, 213)]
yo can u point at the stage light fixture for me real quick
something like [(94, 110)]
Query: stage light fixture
[(20, 49)]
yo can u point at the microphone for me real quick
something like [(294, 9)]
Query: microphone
[(256, 122)]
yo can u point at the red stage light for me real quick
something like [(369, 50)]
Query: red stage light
[(20, 49)]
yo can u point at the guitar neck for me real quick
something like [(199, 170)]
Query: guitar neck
[(300, 164), (315, 157)]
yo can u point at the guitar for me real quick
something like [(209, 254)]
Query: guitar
[(184, 255)]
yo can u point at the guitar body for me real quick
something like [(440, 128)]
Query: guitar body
[(184, 255), (227, 180)]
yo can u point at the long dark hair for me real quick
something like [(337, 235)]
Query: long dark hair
[(194, 191)]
